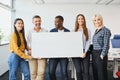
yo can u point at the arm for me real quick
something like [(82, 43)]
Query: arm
[(28, 40), (17, 49), (106, 41), (87, 44)]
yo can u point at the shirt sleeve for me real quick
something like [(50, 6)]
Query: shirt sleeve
[(28, 39), (106, 39), (17, 49)]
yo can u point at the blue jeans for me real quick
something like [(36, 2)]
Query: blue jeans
[(16, 62), (53, 65)]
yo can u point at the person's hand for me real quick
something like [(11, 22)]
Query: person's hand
[(101, 56), (29, 52), (30, 57), (83, 55)]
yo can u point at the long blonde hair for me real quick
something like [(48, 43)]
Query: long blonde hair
[(85, 30)]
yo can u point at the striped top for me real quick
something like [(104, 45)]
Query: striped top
[(101, 40)]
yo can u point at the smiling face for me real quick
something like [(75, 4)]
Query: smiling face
[(98, 21), (58, 23), (19, 25), (37, 22), (81, 20)]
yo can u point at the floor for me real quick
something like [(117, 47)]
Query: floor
[(110, 74)]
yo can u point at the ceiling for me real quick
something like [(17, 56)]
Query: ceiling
[(99, 2)]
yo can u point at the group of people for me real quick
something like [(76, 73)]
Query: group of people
[(34, 69)]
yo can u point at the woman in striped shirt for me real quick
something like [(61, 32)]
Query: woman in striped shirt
[(101, 39)]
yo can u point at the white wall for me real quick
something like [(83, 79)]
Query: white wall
[(4, 52), (26, 9)]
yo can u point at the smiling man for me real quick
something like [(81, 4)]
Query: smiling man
[(54, 61)]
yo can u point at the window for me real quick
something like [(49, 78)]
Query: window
[(5, 22), (6, 2)]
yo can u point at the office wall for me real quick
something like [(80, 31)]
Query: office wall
[(26, 9), (4, 52)]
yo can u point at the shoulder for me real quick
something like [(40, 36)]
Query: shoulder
[(67, 30), (44, 30), (54, 29), (13, 35), (106, 30)]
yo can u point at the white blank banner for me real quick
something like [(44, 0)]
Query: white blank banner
[(57, 44)]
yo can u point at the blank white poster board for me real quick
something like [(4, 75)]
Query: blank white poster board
[(57, 44)]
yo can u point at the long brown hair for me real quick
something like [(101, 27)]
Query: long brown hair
[(22, 31), (85, 30)]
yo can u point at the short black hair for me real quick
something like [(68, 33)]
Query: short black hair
[(60, 17), (36, 16)]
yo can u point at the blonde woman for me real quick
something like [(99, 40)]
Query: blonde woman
[(101, 39)]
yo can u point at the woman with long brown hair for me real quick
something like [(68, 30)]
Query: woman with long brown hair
[(17, 48), (82, 63)]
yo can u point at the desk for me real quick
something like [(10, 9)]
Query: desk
[(114, 54)]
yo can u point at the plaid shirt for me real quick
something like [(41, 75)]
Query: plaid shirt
[(101, 40)]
